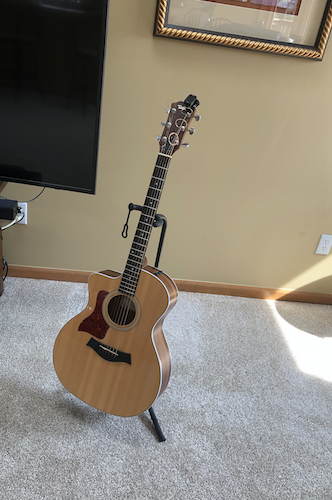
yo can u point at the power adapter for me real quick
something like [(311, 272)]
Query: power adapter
[(8, 209)]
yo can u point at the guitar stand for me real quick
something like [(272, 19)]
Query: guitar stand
[(160, 220)]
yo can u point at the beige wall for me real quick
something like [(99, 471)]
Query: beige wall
[(246, 203)]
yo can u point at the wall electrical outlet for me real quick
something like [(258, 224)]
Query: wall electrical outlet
[(324, 245), (24, 208)]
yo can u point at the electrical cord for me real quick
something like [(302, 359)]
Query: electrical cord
[(4, 267), (18, 218), (27, 201)]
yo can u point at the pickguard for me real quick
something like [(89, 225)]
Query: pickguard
[(95, 323)]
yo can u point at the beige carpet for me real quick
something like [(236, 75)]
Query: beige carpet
[(247, 414)]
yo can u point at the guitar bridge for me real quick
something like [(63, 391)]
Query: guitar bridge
[(109, 353)]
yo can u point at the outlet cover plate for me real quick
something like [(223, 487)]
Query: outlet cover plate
[(24, 208), (324, 245)]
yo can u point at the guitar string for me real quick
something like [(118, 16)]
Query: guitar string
[(124, 303)]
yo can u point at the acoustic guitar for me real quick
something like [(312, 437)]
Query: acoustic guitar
[(113, 355)]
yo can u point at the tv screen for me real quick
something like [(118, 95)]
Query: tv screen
[(51, 70)]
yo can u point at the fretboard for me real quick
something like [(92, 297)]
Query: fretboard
[(137, 252)]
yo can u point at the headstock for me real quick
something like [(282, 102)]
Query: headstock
[(180, 115)]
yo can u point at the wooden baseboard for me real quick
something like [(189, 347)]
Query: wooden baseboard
[(254, 292), (183, 285), (45, 273)]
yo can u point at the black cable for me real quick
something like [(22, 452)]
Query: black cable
[(27, 201), (4, 266)]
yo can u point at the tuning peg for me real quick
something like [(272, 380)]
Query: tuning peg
[(185, 145), (161, 139), (191, 130), (197, 117), (167, 110), (168, 124)]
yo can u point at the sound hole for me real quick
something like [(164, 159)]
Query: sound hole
[(121, 310)]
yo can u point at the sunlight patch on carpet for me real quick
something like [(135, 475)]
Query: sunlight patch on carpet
[(312, 354)]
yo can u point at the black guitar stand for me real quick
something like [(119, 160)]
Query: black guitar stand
[(160, 220)]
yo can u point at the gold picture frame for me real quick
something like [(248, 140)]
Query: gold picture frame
[(298, 28)]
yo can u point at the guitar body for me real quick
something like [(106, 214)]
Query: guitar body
[(119, 367)]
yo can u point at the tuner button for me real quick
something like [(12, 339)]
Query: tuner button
[(173, 110), (163, 123), (191, 130), (168, 124), (167, 110), (158, 137), (197, 117), (185, 145)]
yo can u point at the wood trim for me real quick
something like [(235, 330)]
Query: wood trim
[(45, 273), (183, 285), (254, 292)]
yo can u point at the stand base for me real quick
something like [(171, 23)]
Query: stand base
[(159, 432)]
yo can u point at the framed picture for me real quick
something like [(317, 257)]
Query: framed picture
[(298, 28)]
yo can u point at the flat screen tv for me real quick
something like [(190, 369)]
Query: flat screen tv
[(51, 72)]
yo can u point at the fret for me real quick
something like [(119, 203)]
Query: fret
[(140, 237), (139, 263), (156, 190), (152, 198), (147, 212), (137, 243), (132, 252), (132, 271), (130, 285), (131, 263), (130, 274), (136, 253), (143, 230), (129, 290), (146, 216), (159, 173), (152, 205), (158, 179)]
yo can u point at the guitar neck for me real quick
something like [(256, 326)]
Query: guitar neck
[(179, 117), (137, 252)]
